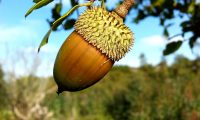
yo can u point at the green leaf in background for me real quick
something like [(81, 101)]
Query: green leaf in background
[(192, 41), (56, 11), (36, 1), (162, 21), (172, 47), (165, 32), (58, 8), (69, 24), (56, 14), (74, 2), (185, 24), (37, 6)]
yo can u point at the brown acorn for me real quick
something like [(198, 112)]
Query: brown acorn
[(100, 38)]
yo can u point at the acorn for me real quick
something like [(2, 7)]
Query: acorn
[(100, 38)]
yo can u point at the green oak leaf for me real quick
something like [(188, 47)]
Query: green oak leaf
[(44, 40), (172, 47), (37, 6)]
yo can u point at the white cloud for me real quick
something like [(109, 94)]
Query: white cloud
[(155, 40), (12, 33), (49, 49), (18, 32), (27, 61), (19, 43), (45, 49), (128, 62)]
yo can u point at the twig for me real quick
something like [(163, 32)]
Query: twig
[(19, 114), (175, 36), (122, 10)]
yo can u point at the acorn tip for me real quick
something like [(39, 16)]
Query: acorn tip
[(60, 90)]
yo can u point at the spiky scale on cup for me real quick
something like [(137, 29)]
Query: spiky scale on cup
[(105, 31)]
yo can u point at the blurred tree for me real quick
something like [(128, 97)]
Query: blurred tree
[(196, 66), (26, 93), (120, 107), (143, 60), (144, 66), (3, 92), (26, 98)]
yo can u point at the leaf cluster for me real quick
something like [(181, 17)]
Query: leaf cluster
[(166, 10)]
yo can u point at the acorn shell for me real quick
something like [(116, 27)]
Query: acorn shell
[(79, 64)]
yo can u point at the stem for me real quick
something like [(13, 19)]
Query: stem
[(92, 1), (180, 34), (122, 10)]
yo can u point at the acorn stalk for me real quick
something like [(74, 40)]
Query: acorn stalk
[(100, 38)]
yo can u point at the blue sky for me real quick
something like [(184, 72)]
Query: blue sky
[(20, 37)]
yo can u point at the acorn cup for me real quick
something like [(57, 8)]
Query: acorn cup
[(100, 38)]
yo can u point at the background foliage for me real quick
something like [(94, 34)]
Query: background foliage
[(149, 92)]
